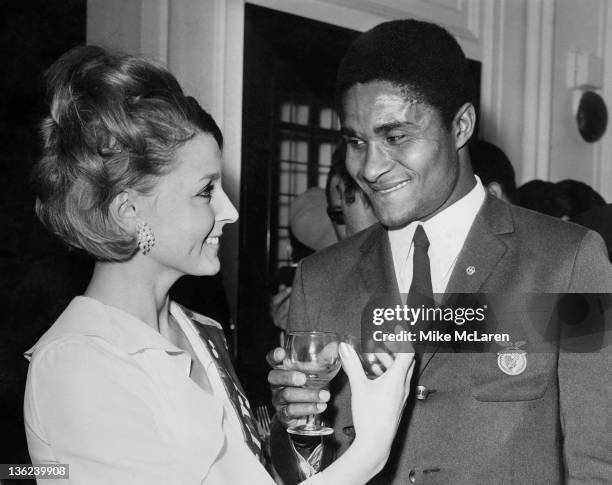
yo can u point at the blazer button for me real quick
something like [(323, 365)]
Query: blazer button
[(423, 393), (412, 476)]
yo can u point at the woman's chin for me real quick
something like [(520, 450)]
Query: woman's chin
[(207, 267)]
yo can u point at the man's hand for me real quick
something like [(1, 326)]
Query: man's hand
[(291, 401), (279, 307)]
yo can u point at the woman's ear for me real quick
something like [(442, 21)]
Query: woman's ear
[(464, 124), (123, 210)]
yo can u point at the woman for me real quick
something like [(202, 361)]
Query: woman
[(127, 387)]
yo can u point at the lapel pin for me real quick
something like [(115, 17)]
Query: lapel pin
[(512, 360), (470, 270)]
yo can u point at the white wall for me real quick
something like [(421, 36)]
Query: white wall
[(579, 27)]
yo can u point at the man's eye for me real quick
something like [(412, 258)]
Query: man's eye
[(395, 138), (354, 142)]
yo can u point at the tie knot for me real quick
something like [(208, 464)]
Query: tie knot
[(420, 238)]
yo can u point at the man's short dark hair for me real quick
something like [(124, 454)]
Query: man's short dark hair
[(421, 57), (491, 164)]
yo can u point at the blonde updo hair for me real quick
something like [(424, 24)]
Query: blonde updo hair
[(115, 123)]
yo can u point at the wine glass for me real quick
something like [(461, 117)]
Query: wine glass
[(315, 354)]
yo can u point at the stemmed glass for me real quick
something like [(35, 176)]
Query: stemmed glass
[(316, 355)]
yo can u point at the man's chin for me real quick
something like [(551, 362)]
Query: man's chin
[(395, 221)]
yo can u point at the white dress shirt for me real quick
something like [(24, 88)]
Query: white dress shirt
[(112, 398), (446, 232)]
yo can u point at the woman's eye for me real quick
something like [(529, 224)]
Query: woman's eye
[(207, 192)]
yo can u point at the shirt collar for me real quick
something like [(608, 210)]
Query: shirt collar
[(87, 316), (446, 231)]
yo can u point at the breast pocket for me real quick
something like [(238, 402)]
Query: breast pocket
[(490, 383)]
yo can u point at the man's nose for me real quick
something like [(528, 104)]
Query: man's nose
[(377, 163)]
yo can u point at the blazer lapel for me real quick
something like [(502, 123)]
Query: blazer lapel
[(376, 265), (481, 252), (482, 249)]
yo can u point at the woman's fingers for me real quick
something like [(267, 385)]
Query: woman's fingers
[(351, 363)]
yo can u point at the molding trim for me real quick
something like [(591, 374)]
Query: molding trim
[(492, 71), (538, 95), (602, 173)]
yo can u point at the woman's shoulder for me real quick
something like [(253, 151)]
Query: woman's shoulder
[(84, 323)]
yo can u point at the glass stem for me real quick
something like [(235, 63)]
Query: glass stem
[(311, 422)]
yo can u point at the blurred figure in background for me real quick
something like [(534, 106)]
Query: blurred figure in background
[(536, 195), (494, 169), (565, 199), (347, 205), (572, 198), (309, 230), (349, 212)]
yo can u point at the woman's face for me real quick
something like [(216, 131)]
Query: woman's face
[(188, 209)]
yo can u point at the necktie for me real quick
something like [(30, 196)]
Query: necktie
[(420, 294), (421, 272)]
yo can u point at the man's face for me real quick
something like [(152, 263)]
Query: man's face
[(399, 152)]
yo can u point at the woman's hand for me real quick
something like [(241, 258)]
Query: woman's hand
[(377, 405)]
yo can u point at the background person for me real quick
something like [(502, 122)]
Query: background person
[(565, 199), (492, 166), (347, 205), (348, 209)]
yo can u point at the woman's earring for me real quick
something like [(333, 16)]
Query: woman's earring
[(146, 238)]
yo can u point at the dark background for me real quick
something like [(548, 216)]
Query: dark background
[(38, 276)]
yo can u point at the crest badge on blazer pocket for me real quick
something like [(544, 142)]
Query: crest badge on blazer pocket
[(512, 360), (511, 376)]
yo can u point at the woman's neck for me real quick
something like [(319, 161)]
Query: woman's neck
[(131, 288)]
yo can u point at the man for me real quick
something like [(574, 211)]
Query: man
[(406, 108), (495, 171)]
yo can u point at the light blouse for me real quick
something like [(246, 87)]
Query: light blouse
[(112, 398)]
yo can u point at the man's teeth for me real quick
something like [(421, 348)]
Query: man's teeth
[(213, 240), (396, 187)]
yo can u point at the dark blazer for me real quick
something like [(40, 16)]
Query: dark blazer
[(481, 426)]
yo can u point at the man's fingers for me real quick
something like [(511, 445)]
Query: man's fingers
[(275, 356), (280, 377), (292, 395), (385, 359), (377, 369), (299, 410), (281, 296)]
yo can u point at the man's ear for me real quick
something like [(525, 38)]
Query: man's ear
[(123, 211), (464, 124), (495, 189)]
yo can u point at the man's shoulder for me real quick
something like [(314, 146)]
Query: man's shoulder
[(533, 227), (545, 225)]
